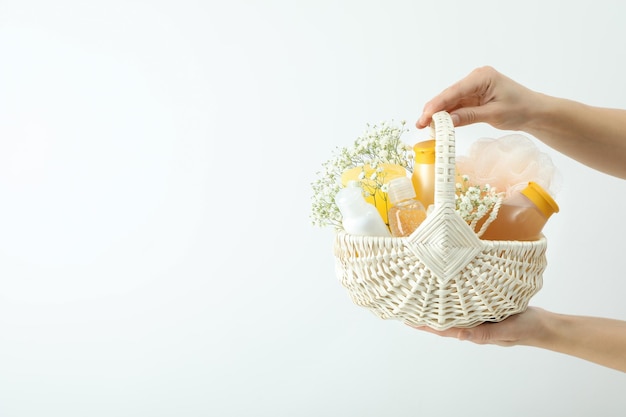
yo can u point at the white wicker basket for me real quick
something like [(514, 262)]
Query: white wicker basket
[(442, 275)]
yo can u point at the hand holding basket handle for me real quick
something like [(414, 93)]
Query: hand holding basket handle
[(442, 275)]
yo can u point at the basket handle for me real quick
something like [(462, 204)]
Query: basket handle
[(442, 130), (444, 242)]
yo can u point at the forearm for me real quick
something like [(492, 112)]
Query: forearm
[(598, 340), (594, 136)]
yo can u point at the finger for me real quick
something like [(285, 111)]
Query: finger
[(442, 102), (453, 332), (476, 114), (473, 86)]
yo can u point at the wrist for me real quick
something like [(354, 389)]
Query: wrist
[(540, 113), (548, 329)]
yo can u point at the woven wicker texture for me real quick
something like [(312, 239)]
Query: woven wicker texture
[(442, 275)]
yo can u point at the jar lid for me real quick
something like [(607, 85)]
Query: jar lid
[(400, 189), (425, 152), (541, 198)]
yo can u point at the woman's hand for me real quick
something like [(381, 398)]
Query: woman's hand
[(595, 339), (594, 136), (485, 95), (521, 329)]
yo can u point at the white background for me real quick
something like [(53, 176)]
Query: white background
[(156, 252)]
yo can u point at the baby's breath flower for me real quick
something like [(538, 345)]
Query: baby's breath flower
[(379, 144), (474, 202)]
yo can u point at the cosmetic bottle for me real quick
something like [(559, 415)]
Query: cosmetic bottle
[(371, 181), (406, 213), (358, 216), (522, 215), (423, 176)]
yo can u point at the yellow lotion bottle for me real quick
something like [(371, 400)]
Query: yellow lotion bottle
[(423, 176), (373, 194)]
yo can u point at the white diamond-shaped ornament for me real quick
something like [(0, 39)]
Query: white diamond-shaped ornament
[(445, 243)]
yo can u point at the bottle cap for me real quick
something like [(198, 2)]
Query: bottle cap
[(400, 189), (425, 152), (350, 200), (541, 198)]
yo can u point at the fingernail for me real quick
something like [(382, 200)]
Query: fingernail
[(455, 119)]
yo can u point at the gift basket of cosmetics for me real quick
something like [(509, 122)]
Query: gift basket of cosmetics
[(432, 238)]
